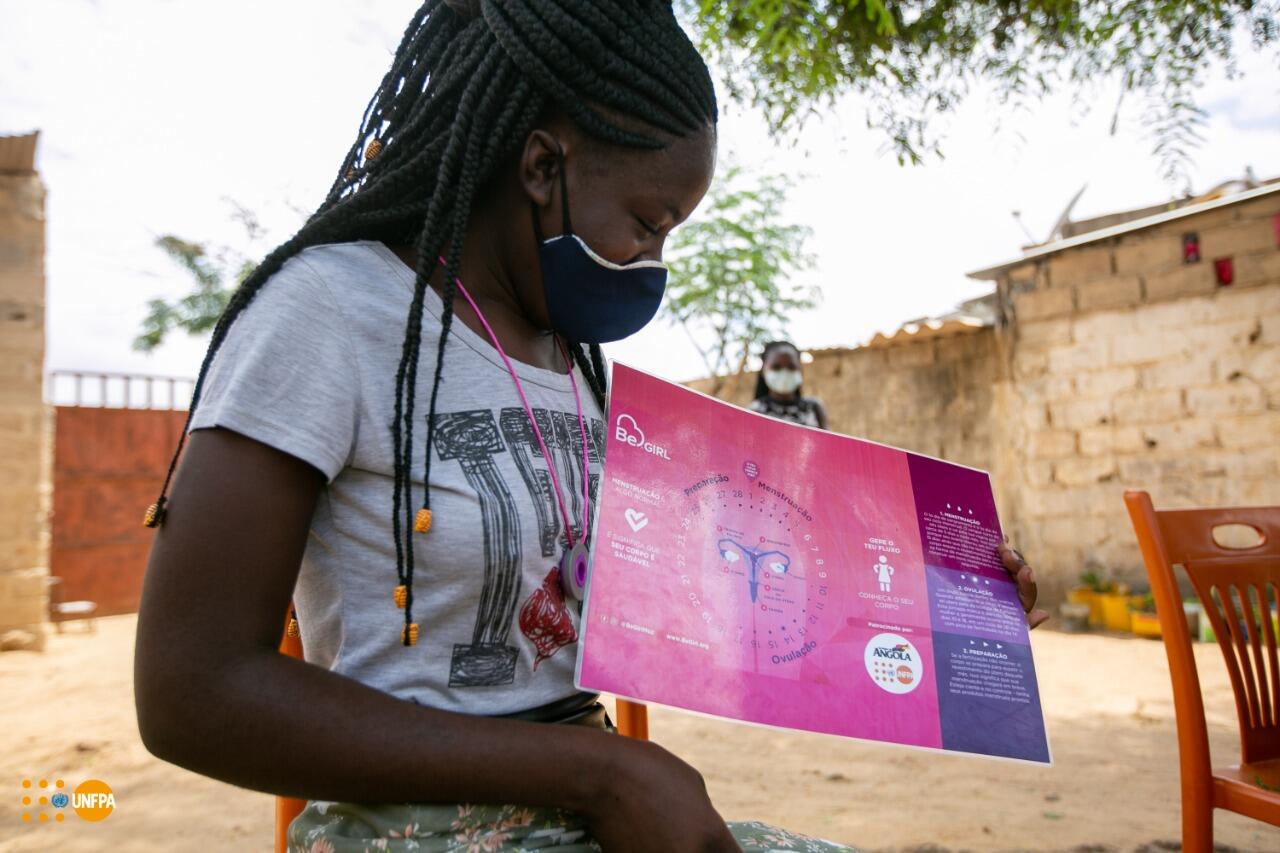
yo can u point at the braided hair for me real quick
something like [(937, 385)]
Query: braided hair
[(762, 390), (467, 85)]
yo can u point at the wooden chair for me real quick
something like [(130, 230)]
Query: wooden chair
[(1238, 588), (633, 721)]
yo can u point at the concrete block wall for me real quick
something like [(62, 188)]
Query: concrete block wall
[(25, 424), (1133, 369)]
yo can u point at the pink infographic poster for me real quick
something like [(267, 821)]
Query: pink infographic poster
[(769, 573)]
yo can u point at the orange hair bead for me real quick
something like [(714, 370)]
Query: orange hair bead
[(373, 149), (153, 516), (409, 635), (422, 521), (293, 629), (402, 596)]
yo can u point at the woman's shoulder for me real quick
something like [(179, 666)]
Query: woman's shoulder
[(343, 291), (334, 263), (357, 278), (350, 251)]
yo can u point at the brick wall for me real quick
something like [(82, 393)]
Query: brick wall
[(24, 423)]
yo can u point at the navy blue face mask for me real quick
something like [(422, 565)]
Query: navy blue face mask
[(591, 300)]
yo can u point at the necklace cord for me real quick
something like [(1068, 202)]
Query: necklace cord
[(582, 423)]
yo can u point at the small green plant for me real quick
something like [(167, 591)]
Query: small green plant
[(1094, 582)]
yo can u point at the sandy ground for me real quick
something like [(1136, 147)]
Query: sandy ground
[(69, 714)]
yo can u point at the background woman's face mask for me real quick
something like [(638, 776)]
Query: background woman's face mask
[(782, 381), (591, 300)]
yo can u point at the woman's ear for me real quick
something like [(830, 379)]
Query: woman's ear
[(540, 166)]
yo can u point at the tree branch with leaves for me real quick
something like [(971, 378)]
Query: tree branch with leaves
[(914, 60), (216, 272), (731, 271)]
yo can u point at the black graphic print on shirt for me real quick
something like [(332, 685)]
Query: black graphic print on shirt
[(473, 439)]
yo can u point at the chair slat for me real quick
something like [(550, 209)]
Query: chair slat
[(1259, 636), (1236, 655), (1271, 604), (1226, 628)]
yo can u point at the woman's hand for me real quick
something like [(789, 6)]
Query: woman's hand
[(1025, 577), (651, 800)]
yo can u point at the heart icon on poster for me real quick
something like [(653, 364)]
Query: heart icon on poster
[(637, 520)]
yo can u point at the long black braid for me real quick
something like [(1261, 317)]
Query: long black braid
[(470, 80)]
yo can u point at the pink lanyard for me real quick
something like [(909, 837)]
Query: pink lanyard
[(582, 422)]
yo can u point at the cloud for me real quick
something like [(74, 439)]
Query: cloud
[(1248, 113)]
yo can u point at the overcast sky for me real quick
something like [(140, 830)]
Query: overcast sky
[(153, 112)]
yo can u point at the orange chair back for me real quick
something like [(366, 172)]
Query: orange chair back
[(633, 720), (1238, 589), (287, 808)]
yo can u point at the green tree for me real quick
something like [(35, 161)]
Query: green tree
[(216, 272), (731, 269), (911, 61)]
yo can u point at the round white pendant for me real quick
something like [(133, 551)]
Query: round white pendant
[(573, 571)]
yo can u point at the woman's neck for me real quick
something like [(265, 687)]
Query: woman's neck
[(793, 397), (494, 294)]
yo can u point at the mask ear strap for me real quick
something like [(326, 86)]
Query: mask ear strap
[(537, 228), (564, 203), (564, 193)]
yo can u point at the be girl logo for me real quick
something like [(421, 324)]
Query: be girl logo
[(628, 432)]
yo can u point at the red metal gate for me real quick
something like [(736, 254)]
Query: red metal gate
[(111, 448)]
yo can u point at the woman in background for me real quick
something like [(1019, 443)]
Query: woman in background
[(779, 392)]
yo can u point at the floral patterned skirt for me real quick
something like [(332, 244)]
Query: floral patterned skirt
[(349, 828)]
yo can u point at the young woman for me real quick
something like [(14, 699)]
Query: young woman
[(399, 426), (778, 388)]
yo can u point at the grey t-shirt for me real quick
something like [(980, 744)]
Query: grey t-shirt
[(309, 368)]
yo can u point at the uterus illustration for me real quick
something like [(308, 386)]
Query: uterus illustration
[(775, 562)]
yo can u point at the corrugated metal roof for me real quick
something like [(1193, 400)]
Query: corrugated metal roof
[(946, 326), (991, 273), (18, 153), (942, 328)]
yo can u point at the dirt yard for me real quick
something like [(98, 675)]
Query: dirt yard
[(68, 714)]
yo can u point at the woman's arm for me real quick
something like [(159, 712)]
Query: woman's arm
[(215, 696)]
